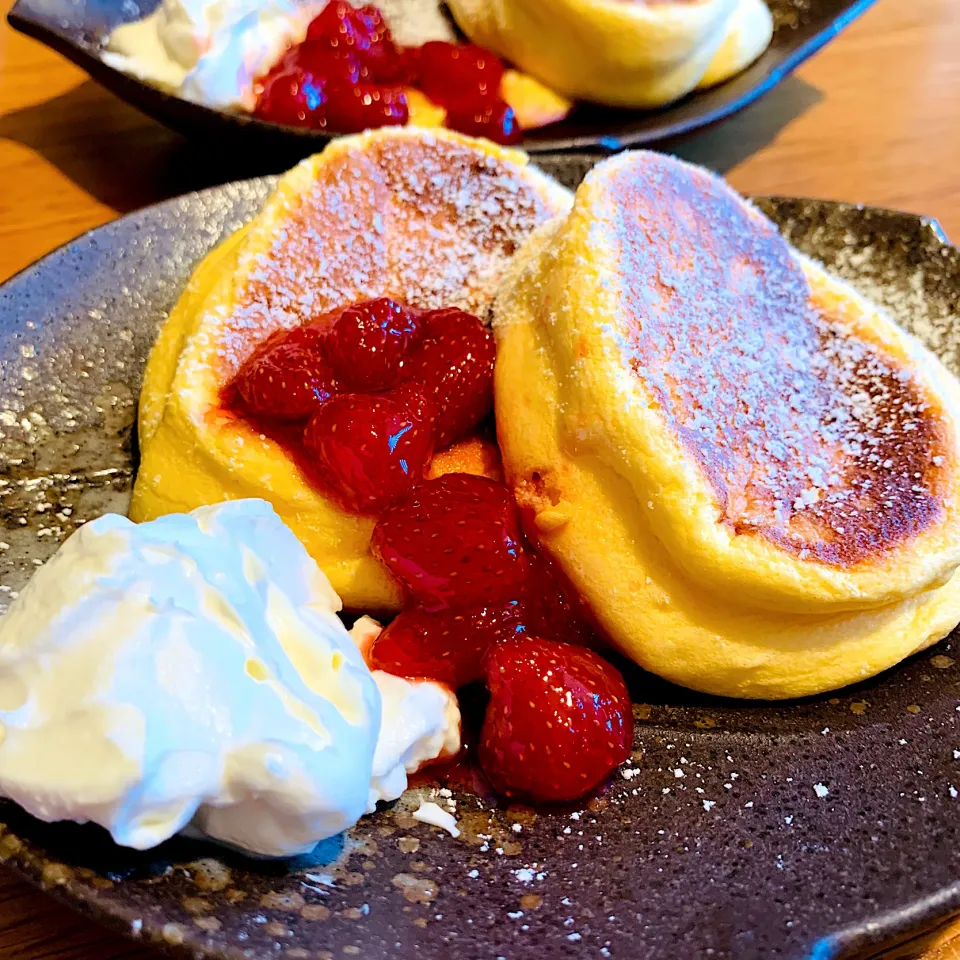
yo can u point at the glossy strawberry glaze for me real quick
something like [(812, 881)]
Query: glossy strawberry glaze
[(348, 75), (360, 399)]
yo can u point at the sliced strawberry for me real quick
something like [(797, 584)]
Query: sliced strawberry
[(454, 541), (404, 69), (368, 345), (291, 95), (558, 723), (329, 64), (340, 24), (363, 106), (452, 73), (371, 449), (454, 363), (447, 645), (555, 608), (286, 378), (360, 30), (492, 118)]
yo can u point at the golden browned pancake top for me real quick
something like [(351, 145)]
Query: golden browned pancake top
[(809, 437), (426, 220)]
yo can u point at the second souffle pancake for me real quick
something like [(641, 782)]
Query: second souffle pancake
[(795, 446), (748, 472)]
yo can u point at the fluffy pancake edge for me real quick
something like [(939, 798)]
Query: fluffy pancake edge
[(192, 455), (621, 54), (604, 412), (586, 516)]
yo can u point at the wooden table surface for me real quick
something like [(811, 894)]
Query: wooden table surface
[(873, 118)]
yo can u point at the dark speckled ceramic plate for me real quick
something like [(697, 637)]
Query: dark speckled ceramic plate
[(820, 828), (77, 28)]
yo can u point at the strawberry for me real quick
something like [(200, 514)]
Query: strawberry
[(452, 73), (371, 449), (368, 343), (363, 106), (340, 24), (558, 722), (291, 95), (448, 646), (454, 364), (361, 31), (555, 608), (286, 378), (492, 118), (329, 65), (454, 541), (404, 68)]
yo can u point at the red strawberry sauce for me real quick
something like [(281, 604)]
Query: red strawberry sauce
[(361, 399), (348, 75)]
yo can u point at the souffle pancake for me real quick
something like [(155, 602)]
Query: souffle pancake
[(428, 218), (626, 54), (748, 471)]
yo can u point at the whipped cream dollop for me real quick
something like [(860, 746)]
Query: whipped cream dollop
[(191, 673), (421, 721), (212, 51)]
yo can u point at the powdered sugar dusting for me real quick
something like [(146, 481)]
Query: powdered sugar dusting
[(423, 219), (810, 437)]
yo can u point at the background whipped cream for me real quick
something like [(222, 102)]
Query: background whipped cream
[(211, 51), (191, 672)]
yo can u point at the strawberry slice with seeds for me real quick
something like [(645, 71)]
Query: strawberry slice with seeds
[(556, 610), (459, 73), (287, 377), (448, 646), (371, 449), (361, 31), (558, 723), (455, 541), (454, 365), (369, 342)]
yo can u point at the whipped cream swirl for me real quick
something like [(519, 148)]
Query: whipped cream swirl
[(192, 673)]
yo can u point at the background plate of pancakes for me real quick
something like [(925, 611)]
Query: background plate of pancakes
[(822, 827), (78, 30)]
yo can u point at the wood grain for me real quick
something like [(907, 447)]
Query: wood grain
[(874, 118)]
